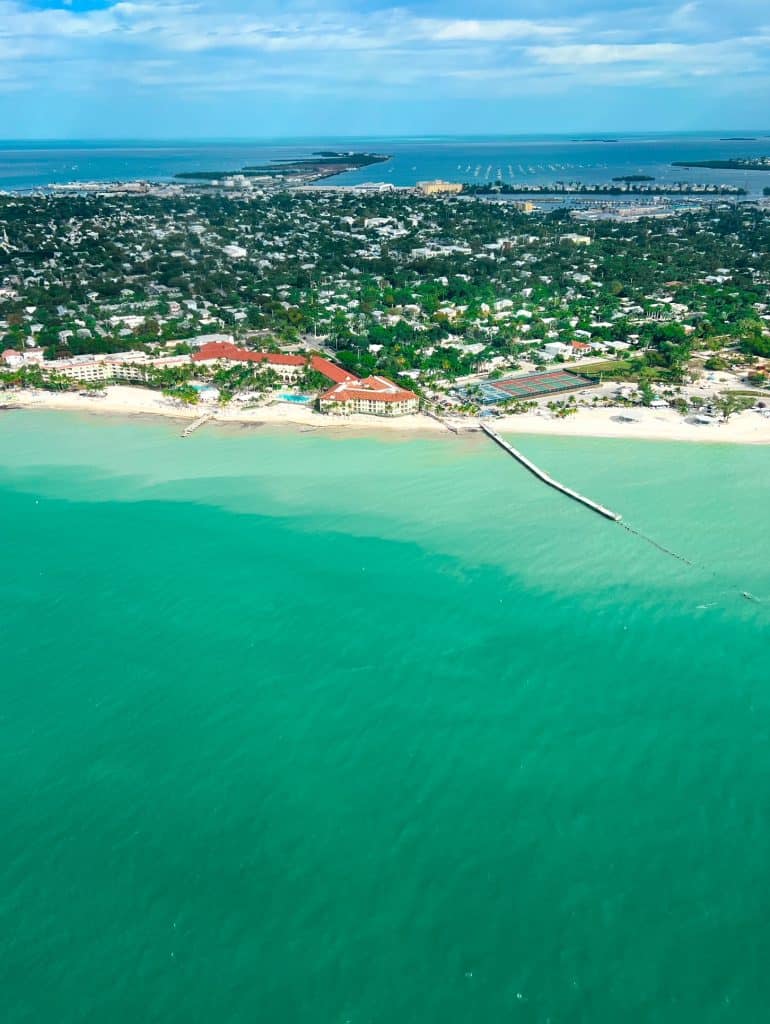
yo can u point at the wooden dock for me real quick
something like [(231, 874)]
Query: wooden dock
[(549, 480), (197, 424)]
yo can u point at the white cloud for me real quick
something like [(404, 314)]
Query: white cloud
[(240, 44), (672, 60), (490, 31)]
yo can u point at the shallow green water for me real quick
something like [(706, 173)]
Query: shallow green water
[(298, 728)]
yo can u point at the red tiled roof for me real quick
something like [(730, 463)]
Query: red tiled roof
[(330, 370), (281, 359), (226, 350), (378, 389)]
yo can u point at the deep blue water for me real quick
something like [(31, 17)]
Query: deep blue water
[(524, 159)]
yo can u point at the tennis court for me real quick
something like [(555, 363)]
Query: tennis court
[(536, 385)]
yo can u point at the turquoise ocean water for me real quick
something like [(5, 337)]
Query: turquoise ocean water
[(543, 159), (320, 728)]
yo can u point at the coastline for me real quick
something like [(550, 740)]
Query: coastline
[(648, 424), (123, 400)]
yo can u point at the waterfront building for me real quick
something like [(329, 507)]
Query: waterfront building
[(119, 366), (134, 366), (330, 370), (439, 187), (374, 396), (288, 367)]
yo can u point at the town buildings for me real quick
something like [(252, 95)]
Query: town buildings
[(29, 357), (389, 283)]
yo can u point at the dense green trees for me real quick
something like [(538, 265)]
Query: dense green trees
[(410, 295), (751, 338)]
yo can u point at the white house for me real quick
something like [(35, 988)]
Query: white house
[(557, 348)]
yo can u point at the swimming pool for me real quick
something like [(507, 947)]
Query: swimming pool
[(295, 399)]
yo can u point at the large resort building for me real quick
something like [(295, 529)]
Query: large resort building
[(288, 367), (100, 368), (375, 396)]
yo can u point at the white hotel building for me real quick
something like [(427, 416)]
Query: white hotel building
[(116, 366)]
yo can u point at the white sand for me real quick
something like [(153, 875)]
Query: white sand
[(120, 399), (649, 424)]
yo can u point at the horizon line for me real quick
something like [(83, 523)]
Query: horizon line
[(218, 139)]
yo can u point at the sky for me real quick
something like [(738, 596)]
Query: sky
[(263, 68)]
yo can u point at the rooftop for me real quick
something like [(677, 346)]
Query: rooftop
[(225, 350), (370, 388)]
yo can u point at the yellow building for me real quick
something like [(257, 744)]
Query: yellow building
[(438, 187)]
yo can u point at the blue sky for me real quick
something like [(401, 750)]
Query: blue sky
[(250, 68)]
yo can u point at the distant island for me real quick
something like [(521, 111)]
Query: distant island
[(632, 178), (324, 164), (740, 138), (594, 140), (759, 163)]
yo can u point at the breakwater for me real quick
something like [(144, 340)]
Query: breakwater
[(549, 480), (197, 424), (606, 512)]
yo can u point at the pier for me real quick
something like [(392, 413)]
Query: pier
[(197, 424), (549, 480), (440, 419)]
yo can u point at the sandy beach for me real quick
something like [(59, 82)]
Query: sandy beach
[(121, 400), (647, 424)]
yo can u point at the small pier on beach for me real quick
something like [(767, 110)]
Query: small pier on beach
[(440, 419), (197, 424), (549, 480)]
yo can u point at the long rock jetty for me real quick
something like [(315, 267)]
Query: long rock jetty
[(549, 480)]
